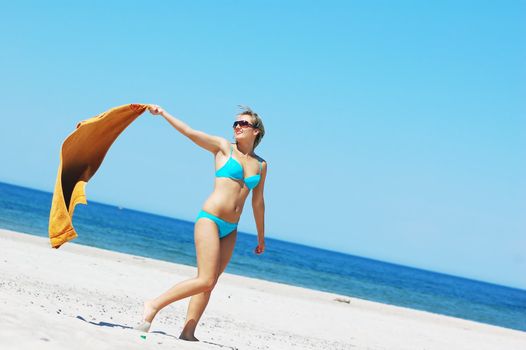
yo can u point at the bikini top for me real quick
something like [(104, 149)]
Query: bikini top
[(234, 170)]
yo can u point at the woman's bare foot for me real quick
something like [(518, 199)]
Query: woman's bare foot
[(188, 337)]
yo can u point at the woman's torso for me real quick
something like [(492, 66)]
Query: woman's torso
[(229, 195)]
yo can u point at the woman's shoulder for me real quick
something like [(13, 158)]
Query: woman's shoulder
[(260, 159)]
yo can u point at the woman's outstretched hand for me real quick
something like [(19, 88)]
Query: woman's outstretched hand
[(155, 110)]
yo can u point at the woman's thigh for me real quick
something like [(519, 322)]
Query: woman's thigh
[(227, 245), (207, 247)]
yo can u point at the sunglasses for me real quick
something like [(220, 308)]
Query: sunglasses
[(242, 123)]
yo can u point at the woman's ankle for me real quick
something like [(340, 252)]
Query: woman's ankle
[(150, 310)]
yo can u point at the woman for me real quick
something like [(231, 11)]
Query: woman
[(239, 171)]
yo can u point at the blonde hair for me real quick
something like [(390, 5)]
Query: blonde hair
[(257, 122)]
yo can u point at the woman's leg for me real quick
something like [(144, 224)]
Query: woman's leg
[(207, 248), (199, 301)]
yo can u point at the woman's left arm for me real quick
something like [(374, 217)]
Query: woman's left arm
[(258, 205)]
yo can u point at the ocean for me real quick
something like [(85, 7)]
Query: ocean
[(139, 233)]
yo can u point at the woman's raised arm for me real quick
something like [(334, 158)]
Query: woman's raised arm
[(211, 143)]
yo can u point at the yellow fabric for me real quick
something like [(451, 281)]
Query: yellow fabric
[(82, 153)]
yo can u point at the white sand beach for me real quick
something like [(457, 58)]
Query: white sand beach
[(79, 297)]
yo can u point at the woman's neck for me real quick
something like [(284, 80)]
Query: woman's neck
[(244, 148)]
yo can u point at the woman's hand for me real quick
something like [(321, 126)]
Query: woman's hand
[(260, 248), (155, 110)]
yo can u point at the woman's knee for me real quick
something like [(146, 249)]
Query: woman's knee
[(207, 283)]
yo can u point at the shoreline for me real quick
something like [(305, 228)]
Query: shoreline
[(96, 295)]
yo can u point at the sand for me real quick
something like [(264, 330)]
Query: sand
[(80, 297)]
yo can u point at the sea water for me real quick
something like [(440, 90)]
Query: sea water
[(134, 232)]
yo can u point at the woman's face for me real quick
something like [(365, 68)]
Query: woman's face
[(245, 132)]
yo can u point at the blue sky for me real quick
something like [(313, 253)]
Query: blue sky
[(395, 130)]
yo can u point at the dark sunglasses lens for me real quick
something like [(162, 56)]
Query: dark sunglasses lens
[(241, 123)]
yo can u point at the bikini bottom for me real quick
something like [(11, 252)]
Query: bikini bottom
[(224, 227)]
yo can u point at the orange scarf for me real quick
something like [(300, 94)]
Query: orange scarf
[(82, 153)]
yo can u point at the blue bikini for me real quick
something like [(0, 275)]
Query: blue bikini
[(234, 170), (224, 227)]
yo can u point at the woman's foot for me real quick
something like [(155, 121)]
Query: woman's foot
[(188, 337), (143, 326), (148, 315)]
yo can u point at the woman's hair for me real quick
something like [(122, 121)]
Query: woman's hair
[(257, 122)]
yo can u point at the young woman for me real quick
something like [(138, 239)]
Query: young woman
[(239, 170)]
